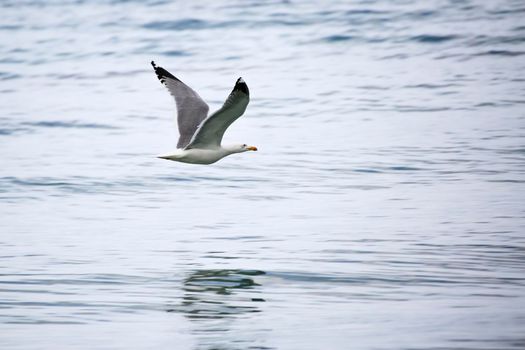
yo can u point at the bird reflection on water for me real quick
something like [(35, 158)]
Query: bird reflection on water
[(212, 294), (213, 299)]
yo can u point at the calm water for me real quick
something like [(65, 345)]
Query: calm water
[(384, 209)]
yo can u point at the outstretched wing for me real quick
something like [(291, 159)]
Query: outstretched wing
[(191, 108), (211, 131)]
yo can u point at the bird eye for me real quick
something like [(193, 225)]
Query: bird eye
[(244, 145)]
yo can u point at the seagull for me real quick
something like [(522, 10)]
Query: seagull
[(201, 135)]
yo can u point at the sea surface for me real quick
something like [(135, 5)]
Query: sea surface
[(384, 210)]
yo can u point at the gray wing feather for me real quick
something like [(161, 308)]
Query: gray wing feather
[(191, 108), (212, 129)]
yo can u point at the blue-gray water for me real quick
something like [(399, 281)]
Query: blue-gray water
[(384, 209)]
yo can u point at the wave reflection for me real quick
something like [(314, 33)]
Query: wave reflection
[(214, 301)]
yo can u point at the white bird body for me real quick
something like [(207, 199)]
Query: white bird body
[(202, 156), (201, 135)]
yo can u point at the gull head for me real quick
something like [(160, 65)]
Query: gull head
[(245, 148), (240, 148)]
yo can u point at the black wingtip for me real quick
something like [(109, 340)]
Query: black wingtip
[(162, 74), (241, 86)]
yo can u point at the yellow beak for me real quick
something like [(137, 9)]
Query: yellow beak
[(252, 148)]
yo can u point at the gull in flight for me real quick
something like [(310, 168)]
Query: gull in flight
[(200, 134)]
